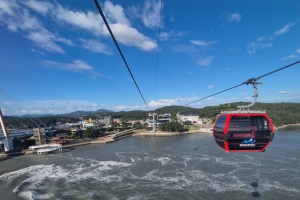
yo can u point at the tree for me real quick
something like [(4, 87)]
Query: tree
[(171, 127), (137, 125), (91, 133)]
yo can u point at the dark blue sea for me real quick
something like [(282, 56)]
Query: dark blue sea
[(181, 167)]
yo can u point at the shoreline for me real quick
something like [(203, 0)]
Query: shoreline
[(168, 134), (104, 140), (109, 139), (286, 126)]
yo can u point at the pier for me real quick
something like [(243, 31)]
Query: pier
[(44, 148)]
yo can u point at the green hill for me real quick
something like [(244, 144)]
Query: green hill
[(280, 113)]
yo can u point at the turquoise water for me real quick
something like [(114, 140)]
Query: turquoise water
[(182, 167)]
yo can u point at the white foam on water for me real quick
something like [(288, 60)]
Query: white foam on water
[(138, 197), (194, 173), (34, 195), (39, 177), (223, 161), (163, 160), (274, 185), (24, 171)]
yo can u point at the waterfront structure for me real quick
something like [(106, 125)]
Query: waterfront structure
[(45, 148)]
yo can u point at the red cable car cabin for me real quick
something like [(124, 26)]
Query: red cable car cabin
[(243, 131)]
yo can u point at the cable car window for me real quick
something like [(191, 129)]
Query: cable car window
[(240, 125), (219, 126), (262, 127)]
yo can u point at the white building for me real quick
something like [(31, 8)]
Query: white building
[(189, 117), (86, 124)]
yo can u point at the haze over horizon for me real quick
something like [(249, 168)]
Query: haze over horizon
[(58, 57)]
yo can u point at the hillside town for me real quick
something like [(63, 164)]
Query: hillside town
[(109, 124), (105, 129)]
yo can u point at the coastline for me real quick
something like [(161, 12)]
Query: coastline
[(108, 139), (286, 126), (168, 134)]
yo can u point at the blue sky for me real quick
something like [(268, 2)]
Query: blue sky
[(58, 57)]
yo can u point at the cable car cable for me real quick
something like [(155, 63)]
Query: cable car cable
[(249, 81), (278, 69), (116, 43), (215, 94)]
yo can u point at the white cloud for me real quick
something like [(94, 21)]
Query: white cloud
[(35, 51), (119, 25), (211, 86), (115, 13), (164, 36), (45, 40), (258, 45), (202, 43), (260, 39), (7, 7), (32, 28), (120, 107), (298, 50), (89, 21), (58, 107), (182, 48), (75, 66), (253, 47), (289, 57), (95, 46), (28, 20), (39, 6), (131, 37), (284, 29), (233, 17), (209, 99), (151, 13), (205, 61), (163, 102), (282, 92), (148, 13)]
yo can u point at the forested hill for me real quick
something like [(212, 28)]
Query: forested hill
[(280, 113)]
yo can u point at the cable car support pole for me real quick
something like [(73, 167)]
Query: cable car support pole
[(254, 83)]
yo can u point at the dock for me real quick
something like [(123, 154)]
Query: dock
[(45, 148)]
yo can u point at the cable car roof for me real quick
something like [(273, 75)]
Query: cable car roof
[(244, 112)]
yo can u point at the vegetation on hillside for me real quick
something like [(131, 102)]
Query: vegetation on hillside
[(280, 113)]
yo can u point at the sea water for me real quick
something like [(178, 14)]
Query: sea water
[(181, 167)]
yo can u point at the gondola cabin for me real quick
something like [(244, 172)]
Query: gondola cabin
[(246, 131)]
